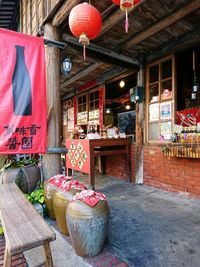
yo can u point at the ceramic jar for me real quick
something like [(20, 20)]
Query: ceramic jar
[(61, 199), (87, 226), (50, 187)]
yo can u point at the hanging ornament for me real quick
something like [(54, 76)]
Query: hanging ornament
[(126, 6), (85, 23)]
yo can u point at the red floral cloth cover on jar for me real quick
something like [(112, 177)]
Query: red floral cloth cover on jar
[(90, 197), (72, 184), (55, 182)]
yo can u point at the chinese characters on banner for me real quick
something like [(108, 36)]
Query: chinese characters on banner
[(23, 126)]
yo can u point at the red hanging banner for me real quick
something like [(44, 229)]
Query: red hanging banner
[(23, 123)]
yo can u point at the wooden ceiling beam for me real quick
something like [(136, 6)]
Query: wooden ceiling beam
[(170, 19), (116, 71), (185, 40), (103, 54), (64, 11), (81, 74), (112, 20)]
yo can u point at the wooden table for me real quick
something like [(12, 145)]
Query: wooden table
[(82, 152), (23, 226)]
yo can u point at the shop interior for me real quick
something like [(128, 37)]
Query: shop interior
[(119, 109), (188, 78)]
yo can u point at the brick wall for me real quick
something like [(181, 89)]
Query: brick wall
[(116, 165), (181, 175)]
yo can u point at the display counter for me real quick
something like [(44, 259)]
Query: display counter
[(82, 152)]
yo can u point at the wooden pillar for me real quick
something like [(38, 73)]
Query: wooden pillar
[(52, 162), (139, 132)]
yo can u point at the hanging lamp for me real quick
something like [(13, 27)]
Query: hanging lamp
[(126, 6), (85, 23)]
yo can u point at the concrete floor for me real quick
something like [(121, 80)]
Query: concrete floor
[(147, 227)]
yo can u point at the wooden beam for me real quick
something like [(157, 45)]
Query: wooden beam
[(64, 11), (81, 74), (139, 131), (170, 19), (25, 17), (30, 18), (112, 20), (53, 11), (103, 54), (107, 75), (36, 15), (52, 162), (21, 16), (185, 40)]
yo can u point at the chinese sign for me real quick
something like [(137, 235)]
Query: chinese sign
[(22, 94)]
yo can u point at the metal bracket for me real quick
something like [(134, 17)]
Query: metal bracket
[(56, 150), (56, 44)]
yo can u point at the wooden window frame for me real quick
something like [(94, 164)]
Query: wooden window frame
[(172, 99), (94, 101), (87, 94), (86, 103)]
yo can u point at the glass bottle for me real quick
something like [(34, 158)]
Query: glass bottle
[(195, 84), (21, 85)]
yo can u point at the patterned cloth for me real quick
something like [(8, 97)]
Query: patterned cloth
[(72, 184), (55, 182), (90, 197)]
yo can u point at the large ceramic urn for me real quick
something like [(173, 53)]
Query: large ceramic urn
[(50, 187), (61, 199), (87, 220)]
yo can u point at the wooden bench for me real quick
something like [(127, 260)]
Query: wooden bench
[(24, 228)]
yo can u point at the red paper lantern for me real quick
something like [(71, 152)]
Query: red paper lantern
[(85, 23), (126, 6)]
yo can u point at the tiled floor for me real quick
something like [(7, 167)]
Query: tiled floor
[(17, 260)]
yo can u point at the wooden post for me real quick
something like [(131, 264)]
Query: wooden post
[(52, 162), (139, 132)]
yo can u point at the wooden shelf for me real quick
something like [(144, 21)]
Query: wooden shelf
[(182, 150)]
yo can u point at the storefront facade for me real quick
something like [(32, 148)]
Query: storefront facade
[(163, 41)]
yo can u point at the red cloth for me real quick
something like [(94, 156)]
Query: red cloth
[(90, 197), (59, 180), (188, 117), (72, 184), (23, 124)]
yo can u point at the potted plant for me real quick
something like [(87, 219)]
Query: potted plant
[(37, 199)]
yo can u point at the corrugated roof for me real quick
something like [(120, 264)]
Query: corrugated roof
[(9, 14)]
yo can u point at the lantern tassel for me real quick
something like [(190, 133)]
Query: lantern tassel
[(84, 52), (126, 22)]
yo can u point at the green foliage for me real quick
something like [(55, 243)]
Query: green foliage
[(1, 231), (36, 196), (18, 164)]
